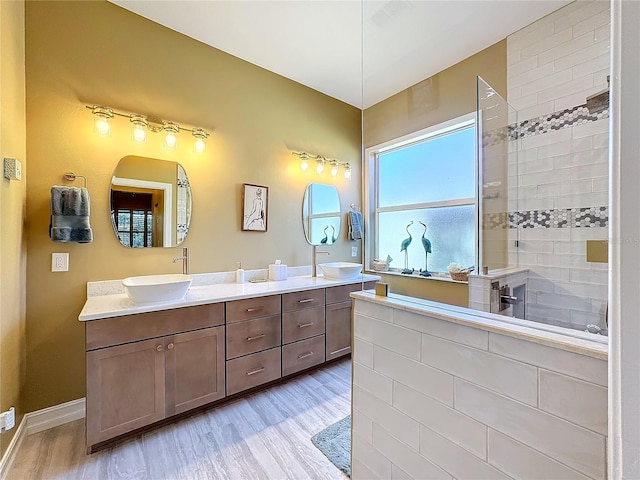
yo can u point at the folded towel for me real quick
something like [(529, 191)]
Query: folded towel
[(70, 215), (355, 225)]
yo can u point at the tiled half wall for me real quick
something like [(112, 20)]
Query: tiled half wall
[(437, 399)]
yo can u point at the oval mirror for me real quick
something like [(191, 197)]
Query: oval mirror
[(150, 202), (321, 214)]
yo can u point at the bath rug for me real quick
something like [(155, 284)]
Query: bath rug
[(335, 443)]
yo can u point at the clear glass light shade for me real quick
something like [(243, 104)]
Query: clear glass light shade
[(347, 172), (320, 166), (102, 126), (200, 145), (334, 169), (304, 164), (139, 135), (170, 140)]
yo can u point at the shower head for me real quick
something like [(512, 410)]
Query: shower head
[(598, 102)]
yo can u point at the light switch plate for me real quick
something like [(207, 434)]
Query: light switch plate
[(354, 251), (59, 262), (12, 169)]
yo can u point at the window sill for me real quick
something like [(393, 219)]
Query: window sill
[(440, 277)]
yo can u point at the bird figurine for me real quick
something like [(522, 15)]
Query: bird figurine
[(333, 235), (324, 240), (426, 243), (403, 248)]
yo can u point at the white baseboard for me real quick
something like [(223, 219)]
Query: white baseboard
[(12, 450), (53, 416), (38, 421)]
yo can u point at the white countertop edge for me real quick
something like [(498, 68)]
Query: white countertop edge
[(118, 305), (597, 347)]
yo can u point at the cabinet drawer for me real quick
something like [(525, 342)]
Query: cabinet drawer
[(239, 310), (300, 300), (131, 328), (252, 336), (303, 354), (341, 293), (253, 370), (302, 324)]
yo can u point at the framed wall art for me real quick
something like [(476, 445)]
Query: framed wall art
[(255, 201)]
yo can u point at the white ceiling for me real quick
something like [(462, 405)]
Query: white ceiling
[(360, 52)]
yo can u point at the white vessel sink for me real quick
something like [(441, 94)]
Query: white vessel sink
[(157, 288), (340, 270)]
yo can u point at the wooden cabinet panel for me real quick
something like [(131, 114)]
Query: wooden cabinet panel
[(252, 336), (253, 370), (338, 330), (195, 369), (125, 389), (239, 310), (341, 293), (305, 299), (301, 355), (130, 328), (302, 324)]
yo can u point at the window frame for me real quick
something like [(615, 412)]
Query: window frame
[(371, 182)]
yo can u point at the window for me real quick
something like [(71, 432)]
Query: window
[(424, 180)]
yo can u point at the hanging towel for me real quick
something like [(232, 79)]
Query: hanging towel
[(355, 225), (70, 215)]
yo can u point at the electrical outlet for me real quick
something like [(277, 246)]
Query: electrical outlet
[(59, 262), (354, 251), (7, 420)]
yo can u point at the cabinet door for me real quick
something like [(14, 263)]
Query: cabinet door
[(194, 369), (125, 388), (338, 330)]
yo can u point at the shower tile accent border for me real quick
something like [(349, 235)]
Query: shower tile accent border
[(585, 217), (567, 118)]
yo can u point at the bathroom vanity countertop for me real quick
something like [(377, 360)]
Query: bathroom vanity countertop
[(592, 345), (119, 304)]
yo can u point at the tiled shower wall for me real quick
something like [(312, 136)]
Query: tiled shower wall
[(558, 189)]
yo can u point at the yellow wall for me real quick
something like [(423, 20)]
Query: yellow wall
[(448, 94), (12, 210), (96, 52)]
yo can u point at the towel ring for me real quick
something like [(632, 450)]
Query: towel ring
[(70, 176)]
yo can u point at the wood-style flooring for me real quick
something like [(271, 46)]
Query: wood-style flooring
[(266, 435)]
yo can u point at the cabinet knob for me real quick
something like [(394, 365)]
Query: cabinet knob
[(170, 346), (159, 348)]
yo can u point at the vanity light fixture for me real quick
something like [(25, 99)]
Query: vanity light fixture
[(142, 124), (172, 130), (320, 163), (334, 168), (201, 137), (102, 117)]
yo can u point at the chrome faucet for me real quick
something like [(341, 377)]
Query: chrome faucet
[(314, 264), (185, 260)]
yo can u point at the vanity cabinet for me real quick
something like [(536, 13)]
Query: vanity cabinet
[(146, 367), (338, 319)]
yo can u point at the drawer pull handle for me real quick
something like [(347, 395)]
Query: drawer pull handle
[(340, 350), (256, 337), (159, 348), (305, 325), (170, 346), (306, 300), (257, 370), (254, 309), (304, 355)]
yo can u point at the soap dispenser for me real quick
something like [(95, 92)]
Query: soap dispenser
[(240, 273)]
